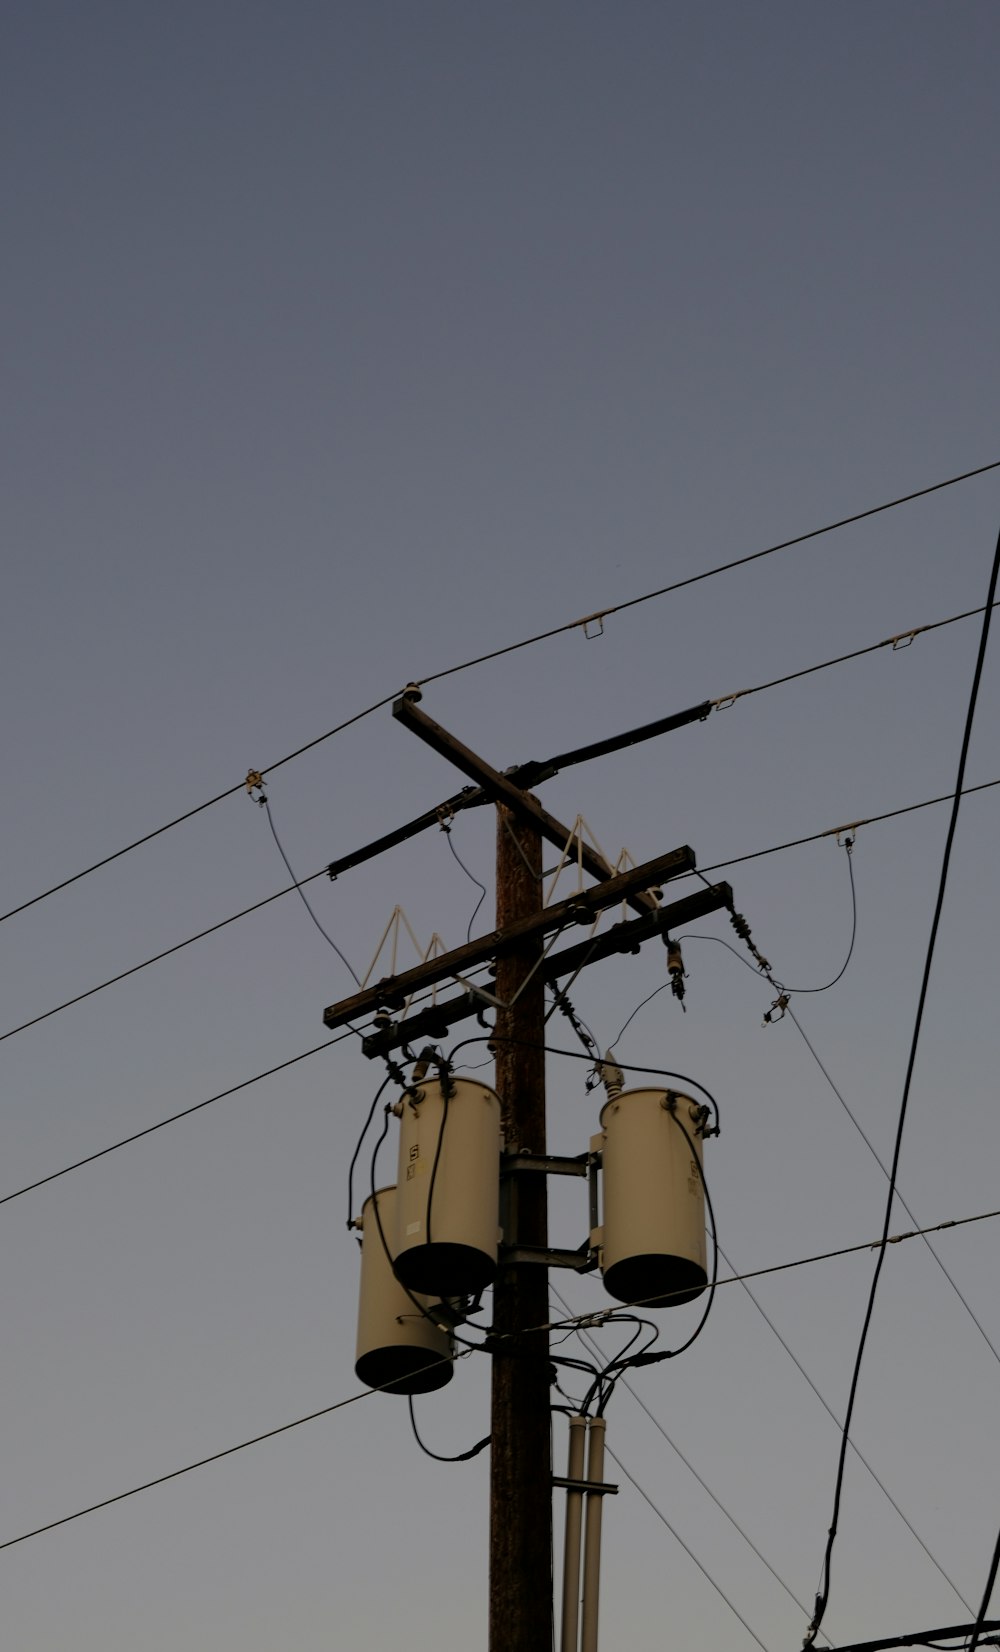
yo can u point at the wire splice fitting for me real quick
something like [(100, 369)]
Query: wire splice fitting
[(254, 784)]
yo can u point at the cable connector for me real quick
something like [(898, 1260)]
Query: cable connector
[(777, 1010), (254, 785), (700, 1117)]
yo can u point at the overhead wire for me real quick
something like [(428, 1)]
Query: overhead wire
[(588, 1342), (597, 1316), (571, 1323), (168, 952), (823, 1593), (717, 866), (172, 1118), (848, 826), (526, 642), (446, 829), (675, 1534), (833, 1086), (297, 884), (202, 1462), (901, 640), (761, 965), (885, 1171), (709, 573), (300, 883), (460, 1457), (198, 809), (742, 1279), (987, 1595)]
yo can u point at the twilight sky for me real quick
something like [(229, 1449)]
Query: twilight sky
[(344, 343)]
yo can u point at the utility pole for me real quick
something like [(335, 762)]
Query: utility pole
[(521, 1484), (520, 1457)]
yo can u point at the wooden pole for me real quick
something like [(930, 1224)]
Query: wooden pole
[(520, 1460)]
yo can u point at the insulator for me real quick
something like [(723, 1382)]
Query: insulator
[(612, 1078)]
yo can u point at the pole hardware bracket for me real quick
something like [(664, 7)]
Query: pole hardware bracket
[(515, 1165), (600, 1488), (583, 1260), (547, 1164)]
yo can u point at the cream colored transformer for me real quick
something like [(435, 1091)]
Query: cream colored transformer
[(401, 1345), (652, 1242), (448, 1203)]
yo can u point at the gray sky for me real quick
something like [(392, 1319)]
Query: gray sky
[(345, 343)]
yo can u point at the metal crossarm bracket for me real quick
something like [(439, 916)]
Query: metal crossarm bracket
[(547, 1164), (434, 1022), (583, 1260), (579, 908), (600, 1488), (503, 790)]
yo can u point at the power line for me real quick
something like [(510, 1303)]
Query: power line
[(922, 1637), (157, 957), (189, 814), (987, 1592), (693, 579), (284, 1428), (849, 826), (862, 1459), (215, 1457), (172, 1118), (884, 1169), (901, 640), (688, 1551), (510, 648), (823, 1593), (591, 1346), (461, 1457), (779, 986), (721, 865), (297, 884), (446, 829)]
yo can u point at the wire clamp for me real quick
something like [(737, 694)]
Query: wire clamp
[(777, 1010), (904, 639), (255, 785), (590, 620)]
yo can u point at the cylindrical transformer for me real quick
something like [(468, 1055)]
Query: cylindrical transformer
[(653, 1250), (398, 1347), (448, 1207)]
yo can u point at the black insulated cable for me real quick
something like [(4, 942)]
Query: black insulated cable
[(823, 1593)]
